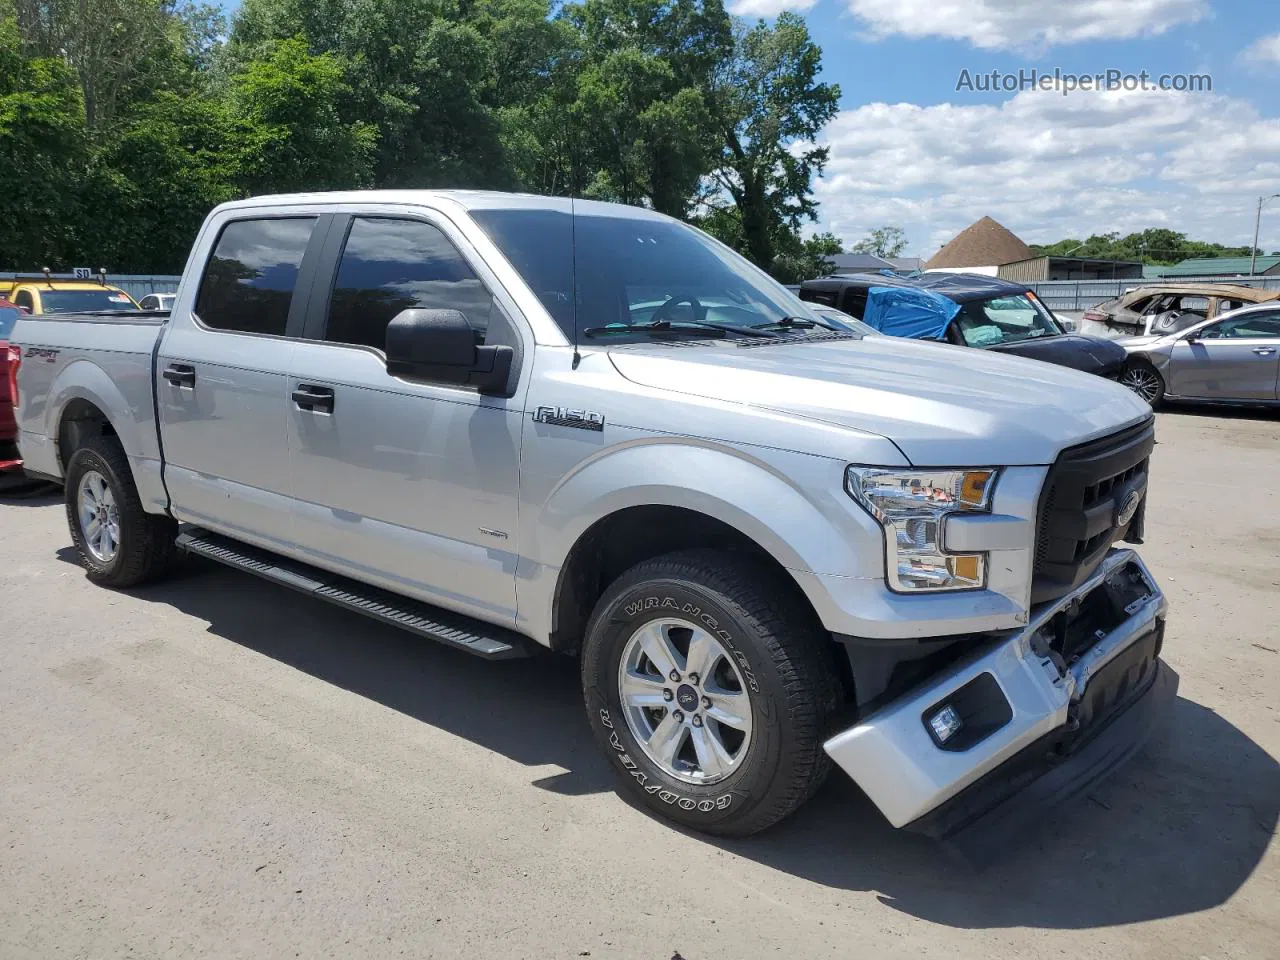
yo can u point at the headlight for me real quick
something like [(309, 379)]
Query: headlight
[(912, 507)]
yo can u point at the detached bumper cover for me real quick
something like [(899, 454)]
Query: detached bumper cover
[(1049, 715)]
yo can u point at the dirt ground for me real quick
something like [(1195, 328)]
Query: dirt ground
[(217, 767)]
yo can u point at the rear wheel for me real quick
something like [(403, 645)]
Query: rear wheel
[(1144, 380), (709, 688), (120, 544)]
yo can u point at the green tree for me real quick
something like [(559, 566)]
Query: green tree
[(42, 140), (116, 48), (287, 132), (1157, 245), (641, 102), (770, 107), (885, 242)]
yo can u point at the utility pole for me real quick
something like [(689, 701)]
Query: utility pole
[(1257, 227)]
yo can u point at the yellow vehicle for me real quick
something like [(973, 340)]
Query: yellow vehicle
[(47, 294)]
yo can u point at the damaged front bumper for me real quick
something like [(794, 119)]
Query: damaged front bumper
[(1042, 712)]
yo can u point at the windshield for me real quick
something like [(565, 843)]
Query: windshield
[(633, 272), (1010, 319), (76, 301), (8, 317)]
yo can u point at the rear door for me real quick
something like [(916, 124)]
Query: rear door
[(1234, 359), (408, 484), (222, 376)]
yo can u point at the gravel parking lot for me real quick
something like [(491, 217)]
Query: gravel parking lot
[(217, 767)]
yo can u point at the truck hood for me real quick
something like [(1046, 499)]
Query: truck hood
[(941, 405)]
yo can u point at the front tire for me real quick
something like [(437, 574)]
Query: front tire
[(1144, 380), (709, 688), (120, 544)]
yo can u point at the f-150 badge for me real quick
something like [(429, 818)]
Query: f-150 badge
[(564, 417)]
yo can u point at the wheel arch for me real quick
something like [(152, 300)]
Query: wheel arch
[(614, 543), (84, 402)]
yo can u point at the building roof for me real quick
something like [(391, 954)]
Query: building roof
[(984, 244), (859, 262), (1106, 261), (1218, 267), (871, 263)]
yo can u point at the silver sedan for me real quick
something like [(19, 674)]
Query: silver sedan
[(1233, 358)]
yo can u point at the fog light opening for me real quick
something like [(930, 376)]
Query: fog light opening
[(946, 723)]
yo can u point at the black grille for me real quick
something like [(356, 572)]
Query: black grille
[(1079, 507)]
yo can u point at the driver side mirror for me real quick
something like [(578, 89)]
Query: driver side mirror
[(440, 346)]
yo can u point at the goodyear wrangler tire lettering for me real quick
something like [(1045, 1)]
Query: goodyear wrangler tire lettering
[(764, 638)]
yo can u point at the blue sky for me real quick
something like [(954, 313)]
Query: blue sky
[(910, 150)]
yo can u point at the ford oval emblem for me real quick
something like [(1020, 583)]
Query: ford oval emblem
[(1128, 507)]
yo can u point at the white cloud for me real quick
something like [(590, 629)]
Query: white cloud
[(1264, 50), (1049, 167), (768, 8), (1023, 24)]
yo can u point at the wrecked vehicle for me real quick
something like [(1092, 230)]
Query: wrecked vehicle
[(965, 310)]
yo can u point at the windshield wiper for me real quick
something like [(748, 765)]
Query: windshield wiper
[(796, 323), (666, 326)]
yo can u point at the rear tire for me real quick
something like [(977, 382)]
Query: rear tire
[(1144, 380), (120, 544), (736, 750)]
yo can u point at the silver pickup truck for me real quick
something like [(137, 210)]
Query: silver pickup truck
[(515, 424)]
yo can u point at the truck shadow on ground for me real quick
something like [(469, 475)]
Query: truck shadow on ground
[(1178, 830)]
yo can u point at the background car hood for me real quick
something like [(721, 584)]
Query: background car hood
[(941, 405), (1077, 351)]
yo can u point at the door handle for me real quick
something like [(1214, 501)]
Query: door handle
[(180, 374), (313, 398), (1264, 351)]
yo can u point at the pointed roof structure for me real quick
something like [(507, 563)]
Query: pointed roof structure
[(984, 244)]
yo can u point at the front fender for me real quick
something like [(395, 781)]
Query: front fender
[(791, 505)]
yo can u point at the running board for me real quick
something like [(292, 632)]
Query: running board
[(443, 626)]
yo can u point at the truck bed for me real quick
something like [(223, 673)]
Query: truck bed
[(113, 354)]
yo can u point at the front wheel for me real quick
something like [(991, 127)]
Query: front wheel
[(709, 689), (1144, 380)]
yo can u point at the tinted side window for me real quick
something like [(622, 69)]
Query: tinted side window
[(1250, 326), (23, 299), (394, 265), (248, 283)]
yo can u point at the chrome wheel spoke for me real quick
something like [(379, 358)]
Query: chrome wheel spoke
[(713, 759), (731, 709), (91, 530), (703, 654), (668, 738), (657, 647), (639, 690)]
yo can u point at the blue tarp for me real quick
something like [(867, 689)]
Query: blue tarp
[(909, 312)]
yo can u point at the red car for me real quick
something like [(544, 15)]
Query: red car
[(9, 459)]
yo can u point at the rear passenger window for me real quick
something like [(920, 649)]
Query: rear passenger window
[(248, 284), (394, 265)]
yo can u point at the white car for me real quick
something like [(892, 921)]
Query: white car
[(157, 301)]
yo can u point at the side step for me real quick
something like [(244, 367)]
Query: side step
[(443, 626)]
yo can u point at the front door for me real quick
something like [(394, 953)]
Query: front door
[(1233, 359), (408, 484), (222, 372)]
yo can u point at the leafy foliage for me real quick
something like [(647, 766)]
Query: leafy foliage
[(1155, 246), (885, 242), (122, 122)]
